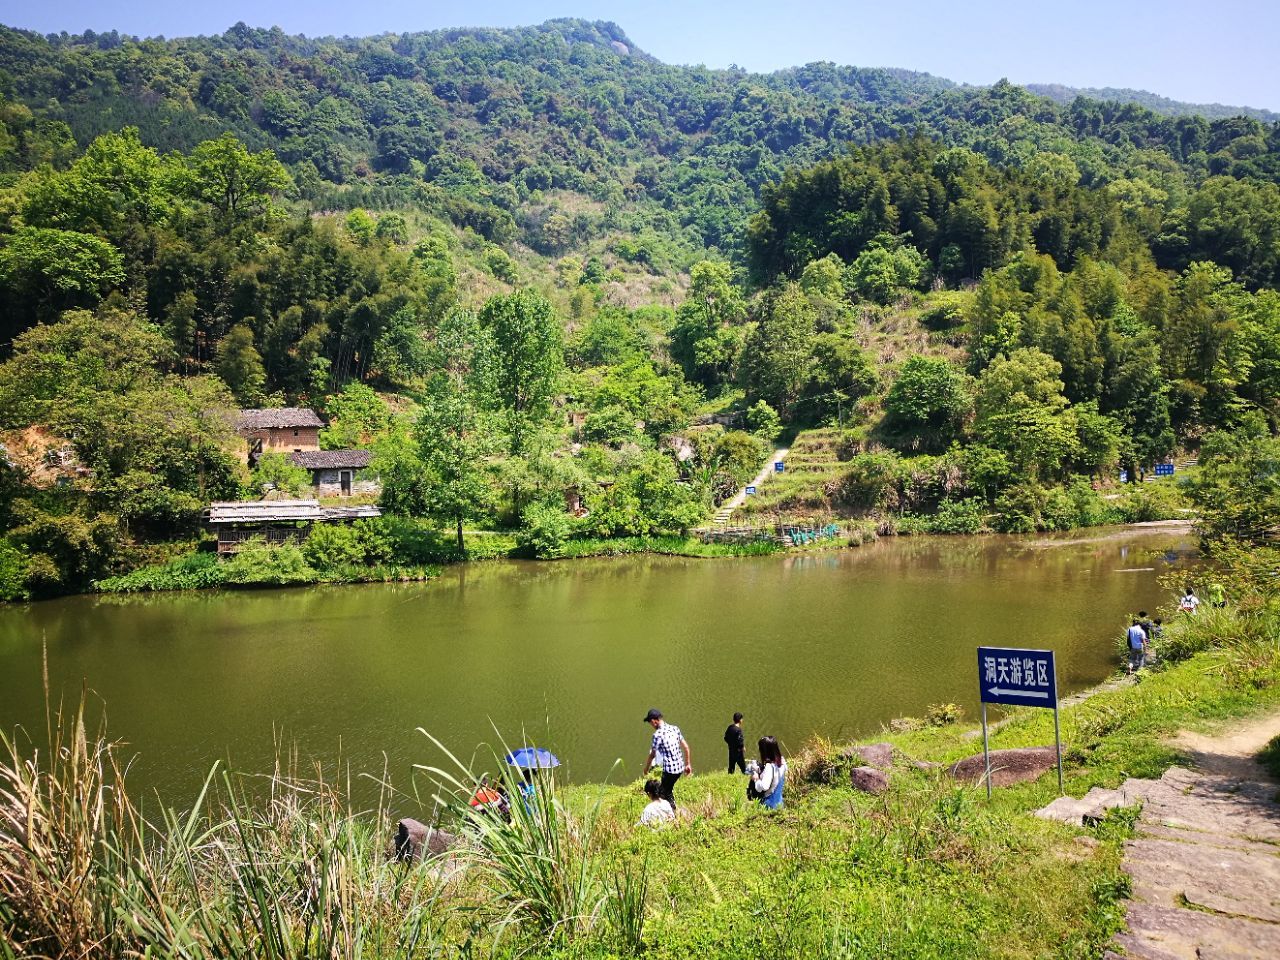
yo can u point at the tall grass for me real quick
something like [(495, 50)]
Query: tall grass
[(284, 867), (294, 873), (542, 865)]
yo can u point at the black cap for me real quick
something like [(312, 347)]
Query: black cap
[(653, 714)]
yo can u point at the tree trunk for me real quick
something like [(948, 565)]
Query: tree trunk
[(460, 547)]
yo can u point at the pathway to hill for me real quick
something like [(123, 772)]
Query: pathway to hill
[(726, 509), (1205, 863)]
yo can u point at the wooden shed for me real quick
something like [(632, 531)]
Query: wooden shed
[(275, 521)]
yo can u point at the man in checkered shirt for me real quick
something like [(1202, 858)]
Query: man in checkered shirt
[(670, 750)]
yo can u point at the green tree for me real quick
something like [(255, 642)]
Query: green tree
[(358, 417), (454, 435), (240, 366), (43, 272), (707, 336), (275, 471), (929, 400), (239, 185), (527, 359), (777, 359)]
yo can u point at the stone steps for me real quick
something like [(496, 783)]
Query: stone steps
[(1089, 809)]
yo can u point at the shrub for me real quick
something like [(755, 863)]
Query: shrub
[(13, 572), (870, 482), (332, 545), (960, 516), (545, 527), (943, 714), (1018, 509), (274, 471), (196, 571), (261, 563), (763, 421)]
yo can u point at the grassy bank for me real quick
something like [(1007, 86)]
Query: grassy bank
[(285, 866)]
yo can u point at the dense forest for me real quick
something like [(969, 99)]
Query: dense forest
[(519, 262)]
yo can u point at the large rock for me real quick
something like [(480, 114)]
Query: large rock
[(415, 841), (1007, 766), (879, 755), (869, 780)]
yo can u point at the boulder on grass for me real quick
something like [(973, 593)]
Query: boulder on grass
[(878, 755), (415, 841), (869, 780), (1007, 766)]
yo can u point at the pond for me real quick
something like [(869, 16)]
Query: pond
[(833, 643)]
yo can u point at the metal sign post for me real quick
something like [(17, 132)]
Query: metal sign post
[(1015, 677)]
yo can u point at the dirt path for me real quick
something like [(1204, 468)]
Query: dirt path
[(1205, 863), (739, 498)]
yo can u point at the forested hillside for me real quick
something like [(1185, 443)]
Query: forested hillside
[(521, 263)]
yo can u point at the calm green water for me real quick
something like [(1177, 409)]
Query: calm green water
[(833, 643)]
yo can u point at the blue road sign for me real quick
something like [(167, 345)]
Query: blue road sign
[(1164, 469), (750, 490), (779, 466), (1024, 678)]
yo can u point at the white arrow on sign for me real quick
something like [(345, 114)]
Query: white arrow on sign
[(1037, 694)]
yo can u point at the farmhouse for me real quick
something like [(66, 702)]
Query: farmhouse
[(279, 430), (337, 473), (275, 521)]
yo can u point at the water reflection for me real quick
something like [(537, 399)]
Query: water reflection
[(833, 642)]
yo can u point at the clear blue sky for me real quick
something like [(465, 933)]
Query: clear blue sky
[(1223, 51)]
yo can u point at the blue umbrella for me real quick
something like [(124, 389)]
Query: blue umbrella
[(532, 758)]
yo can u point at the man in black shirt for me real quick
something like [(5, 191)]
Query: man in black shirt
[(733, 737)]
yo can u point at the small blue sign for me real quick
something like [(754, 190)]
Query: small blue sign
[(750, 490), (1024, 678), (779, 466), (1164, 469)]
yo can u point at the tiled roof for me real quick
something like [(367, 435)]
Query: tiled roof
[(331, 459), (278, 418)]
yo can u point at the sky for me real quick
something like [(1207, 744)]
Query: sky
[(1189, 50)]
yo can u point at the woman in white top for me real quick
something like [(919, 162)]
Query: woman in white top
[(769, 777), (658, 810)]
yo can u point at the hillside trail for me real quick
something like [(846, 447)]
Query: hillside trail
[(767, 470), (1205, 861)]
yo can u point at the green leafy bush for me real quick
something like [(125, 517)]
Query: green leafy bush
[(196, 571), (545, 527), (13, 572), (960, 516), (258, 563)]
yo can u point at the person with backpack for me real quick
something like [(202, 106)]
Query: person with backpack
[(1136, 639), (1189, 602)]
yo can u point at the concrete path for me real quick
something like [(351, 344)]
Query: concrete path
[(725, 511), (1205, 863)]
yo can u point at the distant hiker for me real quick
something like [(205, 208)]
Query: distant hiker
[(1147, 626), (1217, 595), (659, 809), (1137, 642), (737, 747), (769, 775), (670, 750), (1189, 602)]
